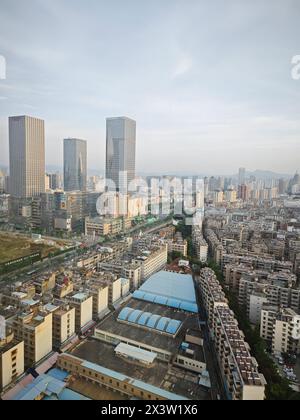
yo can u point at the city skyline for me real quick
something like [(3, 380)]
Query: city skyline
[(207, 98), (149, 203), (262, 173)]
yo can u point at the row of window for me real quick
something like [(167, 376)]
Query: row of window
[(123, 387)]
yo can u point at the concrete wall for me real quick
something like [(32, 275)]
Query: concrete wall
[(11, 364)]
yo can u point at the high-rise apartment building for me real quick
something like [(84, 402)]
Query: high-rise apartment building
[(243, 192), (11, 359), (120, 151), (26, 156), (35, 329), (75, 165)]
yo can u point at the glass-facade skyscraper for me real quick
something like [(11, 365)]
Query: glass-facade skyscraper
[(75, 165), (26, 156), (120, 151)]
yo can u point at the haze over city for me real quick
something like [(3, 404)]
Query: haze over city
[(209, 85)]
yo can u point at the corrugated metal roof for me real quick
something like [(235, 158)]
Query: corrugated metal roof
[(134, 316), (171, 285), (138, 294), (136, 353), (123, 315), (42, 385), (58, 374), (171, 289), (162, 323), (152, 321), (173, 327), (69, 395), (144, 318)]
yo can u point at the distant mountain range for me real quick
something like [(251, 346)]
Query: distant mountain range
[(268, 174), (258, 174)]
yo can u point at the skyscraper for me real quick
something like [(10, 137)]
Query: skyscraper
[(26, 156), (120, 151), (242, 176), (75, 165)]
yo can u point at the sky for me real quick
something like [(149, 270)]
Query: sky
[(208, 81)]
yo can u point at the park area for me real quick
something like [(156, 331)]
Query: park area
[(14, 246)]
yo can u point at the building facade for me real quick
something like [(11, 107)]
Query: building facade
[(26, 156), (120, 151), (75, 165)]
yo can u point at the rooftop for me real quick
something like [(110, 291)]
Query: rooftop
[(170, 289), (150, 337), (80, 296), (102, 356), (135, 353), (49, 387)]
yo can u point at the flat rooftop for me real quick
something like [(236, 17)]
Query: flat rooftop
[(147, 336), (80, 296), (159, 374)]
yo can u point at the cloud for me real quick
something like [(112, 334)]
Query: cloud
[(183, 66), (203, 83)]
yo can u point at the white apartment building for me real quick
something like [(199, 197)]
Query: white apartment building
[(281, 329), (115, 291), (125, 287), (35, 329), (100, 293), (153, 261), (63, 325), (83, 305), (256, 303), (11, 359), (201, 249), (238, 368)]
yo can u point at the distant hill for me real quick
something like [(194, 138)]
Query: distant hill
[(267, 174)]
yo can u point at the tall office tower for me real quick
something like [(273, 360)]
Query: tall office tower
[(242, 176), (55, 181), (26, 156), (75, 165), (120, 151)]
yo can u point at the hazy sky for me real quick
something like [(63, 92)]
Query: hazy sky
[(208, 81)]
